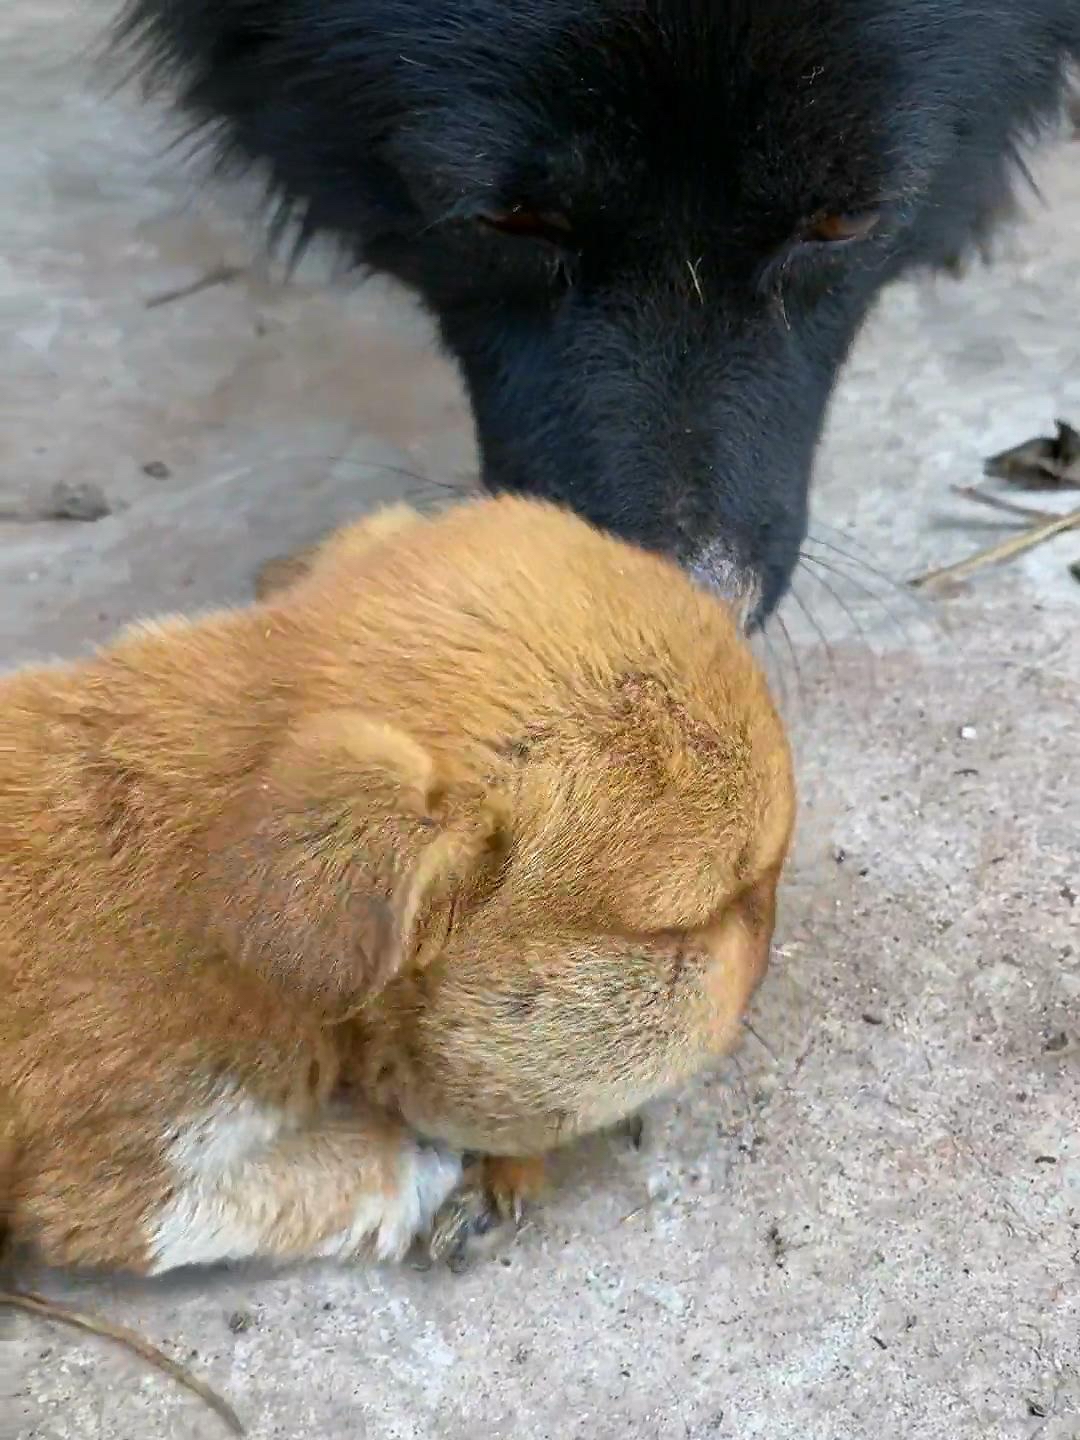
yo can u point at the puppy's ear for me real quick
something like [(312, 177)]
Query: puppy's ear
[(449, 871), (284, 571), (351, 542), (348, 859)]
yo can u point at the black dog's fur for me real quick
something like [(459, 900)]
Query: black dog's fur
[(657, 347)]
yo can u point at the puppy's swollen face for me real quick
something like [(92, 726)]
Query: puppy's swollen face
[(467, 838), (593, 901), (648, 229)]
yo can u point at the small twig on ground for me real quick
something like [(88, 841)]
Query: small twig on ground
[(760, 1040), (633, 1214), (220, 275), (32, 1304), (995, 554), (996, 502), (66, 500)]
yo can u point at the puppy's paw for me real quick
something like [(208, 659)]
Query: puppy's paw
[(492, 1197), (390, 1217), (464, 1221)]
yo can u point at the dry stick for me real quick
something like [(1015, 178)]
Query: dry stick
[(220, 275), (33, 1304), (996, 502), (1007, 550)]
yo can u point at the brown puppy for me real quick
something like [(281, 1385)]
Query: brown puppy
[(468, 840)]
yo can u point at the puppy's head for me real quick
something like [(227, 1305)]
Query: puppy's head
[(649, 229), (598, 800)]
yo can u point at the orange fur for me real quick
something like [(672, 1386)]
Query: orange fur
[(470, 833)]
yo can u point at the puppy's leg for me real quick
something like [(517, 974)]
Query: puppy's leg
[(343, 1189), (238, 1181), (495, 1189), (188, 1116)]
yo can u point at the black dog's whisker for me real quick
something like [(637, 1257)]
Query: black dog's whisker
[(775, 666), (860, 585), (793, 653), (855, 558), (855, 548), (844, 575), (813, 566), (456, 488), (853, 619), (815, 625), (858, 562)]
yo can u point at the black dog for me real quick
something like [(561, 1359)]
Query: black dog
[(649, 229)]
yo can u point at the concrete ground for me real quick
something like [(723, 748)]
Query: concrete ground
[(869, 1222)]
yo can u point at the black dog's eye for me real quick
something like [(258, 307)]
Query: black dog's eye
[(841, 229), (547, 225)]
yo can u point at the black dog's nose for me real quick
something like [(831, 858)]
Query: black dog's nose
[(718, 567)]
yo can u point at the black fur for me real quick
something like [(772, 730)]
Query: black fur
[(665, 365)]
